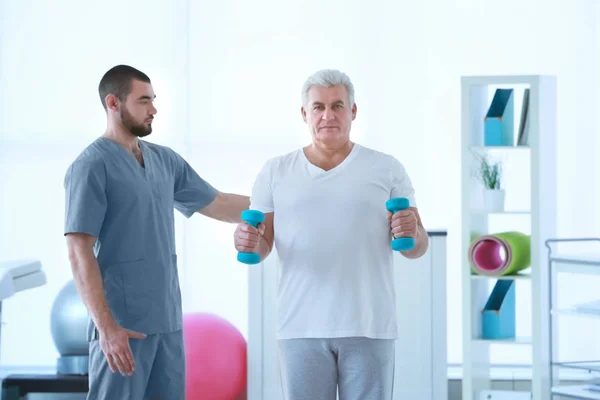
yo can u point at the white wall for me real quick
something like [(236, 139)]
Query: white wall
[(228, 77)]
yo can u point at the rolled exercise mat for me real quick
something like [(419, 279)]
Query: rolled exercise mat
[(485, 257)]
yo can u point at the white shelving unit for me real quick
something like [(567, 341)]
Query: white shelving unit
[(530, 183)]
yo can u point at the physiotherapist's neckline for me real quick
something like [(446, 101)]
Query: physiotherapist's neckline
[(140, 142), (130, 156)]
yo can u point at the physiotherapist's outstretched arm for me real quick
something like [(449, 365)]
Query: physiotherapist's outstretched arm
[(193, 194), (226, 207), (114, 339)]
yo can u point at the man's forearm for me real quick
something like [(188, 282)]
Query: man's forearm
[(88, 280), (421, 244), (263, 248)]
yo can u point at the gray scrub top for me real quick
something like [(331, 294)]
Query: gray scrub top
[(130, 209)]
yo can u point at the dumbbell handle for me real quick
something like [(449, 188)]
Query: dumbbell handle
[(394, 205), (251, 217)]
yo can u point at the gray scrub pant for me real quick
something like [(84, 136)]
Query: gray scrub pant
[(356, 368), (159, 374)]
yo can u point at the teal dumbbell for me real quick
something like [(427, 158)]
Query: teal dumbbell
[(395, 205), (251, 217)]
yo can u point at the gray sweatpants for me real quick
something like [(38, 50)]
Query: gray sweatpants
[(159, 371), (316, 369)]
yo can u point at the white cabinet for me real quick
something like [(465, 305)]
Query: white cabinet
[(421, 357)]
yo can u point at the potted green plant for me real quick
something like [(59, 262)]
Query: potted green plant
[(490, 175)]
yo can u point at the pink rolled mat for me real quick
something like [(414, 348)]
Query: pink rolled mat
[(486, 258)]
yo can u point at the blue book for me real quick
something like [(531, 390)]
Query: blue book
[(499, 121), (498, 315)]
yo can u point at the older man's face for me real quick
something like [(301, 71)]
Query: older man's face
[(329, 115)]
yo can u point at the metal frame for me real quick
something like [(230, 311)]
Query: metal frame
[(589, 267)]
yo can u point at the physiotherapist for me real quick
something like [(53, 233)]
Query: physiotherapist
[(120, 194)]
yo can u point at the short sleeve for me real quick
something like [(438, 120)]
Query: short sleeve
[(401, 185), (191, 192), (262, 196), (85, 197)]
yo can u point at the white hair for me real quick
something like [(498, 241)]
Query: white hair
[(328, 78)]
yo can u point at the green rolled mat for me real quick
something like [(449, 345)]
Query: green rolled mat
[(486, 259)]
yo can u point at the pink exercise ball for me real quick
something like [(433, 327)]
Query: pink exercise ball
[(215, 362)]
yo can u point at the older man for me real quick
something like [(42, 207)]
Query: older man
[(325, 212)]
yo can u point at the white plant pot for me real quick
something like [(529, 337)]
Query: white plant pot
[(494, 200)]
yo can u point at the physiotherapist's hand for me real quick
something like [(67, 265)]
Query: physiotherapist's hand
[(247, 238), (114, 342), (403, 224)]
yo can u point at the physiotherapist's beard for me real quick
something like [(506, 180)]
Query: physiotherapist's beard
[(139, 130)]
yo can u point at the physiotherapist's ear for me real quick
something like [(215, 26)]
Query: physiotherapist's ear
[(111, 102)]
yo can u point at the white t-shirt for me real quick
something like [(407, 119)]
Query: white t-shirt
[(332, 237)]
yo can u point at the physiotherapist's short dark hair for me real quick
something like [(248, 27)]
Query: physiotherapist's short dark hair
[(117, 81)]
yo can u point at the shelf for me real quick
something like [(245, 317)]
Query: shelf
[(584, 365), (507, 212), (576, 392), (512, 79), (515, 212), (486, 148), (576, 313), (583, 269), (588, 258), (519, 340), (521, 275), (578, 263), (521, 372)]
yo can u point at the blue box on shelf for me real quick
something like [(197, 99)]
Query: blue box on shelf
[(498, 315), (499, 121)]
